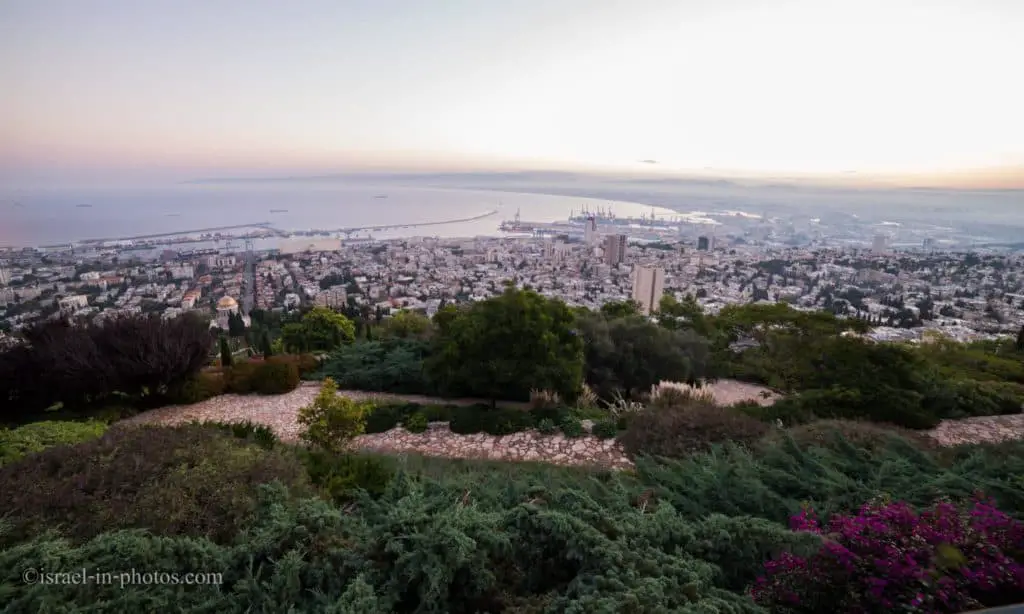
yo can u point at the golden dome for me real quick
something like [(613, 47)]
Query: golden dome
[(226, 303)]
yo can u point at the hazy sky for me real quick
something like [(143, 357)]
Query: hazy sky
[(777, 86)]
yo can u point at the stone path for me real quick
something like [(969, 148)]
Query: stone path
[(280, 413)]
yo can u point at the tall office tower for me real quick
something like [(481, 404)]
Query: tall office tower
[(590, 231), (648, 286), (703, 244), (614, 249), (880, 244), (5, 277)]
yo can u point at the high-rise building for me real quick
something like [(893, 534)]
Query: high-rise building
[(5, 276), (590, 231), (879, 244), (703, 244), (614, 249), (648, 286)]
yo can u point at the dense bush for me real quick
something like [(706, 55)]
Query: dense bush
[(966, 398), (341, 475), (331, 421), (205, 385), (259, 434), (85, 365), (572, 427), (388, 415), (38, 436), (395, 366), (416, 423), (605, 429), (864, 435), (895, 406), (240, 377), (546, 426), (188, 480), (676, 432), (275, 376), (472, 419), (890, 558)]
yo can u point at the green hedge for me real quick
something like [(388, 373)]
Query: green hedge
[(38, 436)]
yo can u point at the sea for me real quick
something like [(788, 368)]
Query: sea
[(49, 216)]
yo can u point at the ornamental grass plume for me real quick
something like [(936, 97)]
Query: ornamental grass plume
[(889, 557)]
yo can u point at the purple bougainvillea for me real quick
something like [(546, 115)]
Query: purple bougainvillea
[(891, 558)]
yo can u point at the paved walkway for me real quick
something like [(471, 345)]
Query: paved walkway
[(280, 413)]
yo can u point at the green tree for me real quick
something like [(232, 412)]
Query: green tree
[(506, 346), (225, 352), (407, 324), (630, 355), (319, 330), (621, 309), (332, 421), (1020, 340), (685, 315), (265, 347), (236, 325)]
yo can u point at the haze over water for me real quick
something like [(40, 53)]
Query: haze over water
[(50, 216)]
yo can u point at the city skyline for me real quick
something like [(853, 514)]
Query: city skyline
[(852, 92)]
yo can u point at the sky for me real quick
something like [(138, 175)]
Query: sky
[(927, 90)]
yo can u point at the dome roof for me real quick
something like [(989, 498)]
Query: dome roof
[(226, 303)]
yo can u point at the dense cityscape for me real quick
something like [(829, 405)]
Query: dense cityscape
[(587, 261)]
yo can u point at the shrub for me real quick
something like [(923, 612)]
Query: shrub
[(544, 399), (676, 432), (386, 366), (340, 475), (205, 385), (38, 436), (493, 421), (240, 377), (388, 415), (546, 426), (605, 429), (417, 423), (186, 480), (248, 430), (967, 398), (275, 376), (572, 427), (438, 413), (668, 395), (864, 435), (900, 407), (890, 558), (554, 414), (331, 420)]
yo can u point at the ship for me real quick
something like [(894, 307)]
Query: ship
[(600, 215), (279, 211), (516, 225), (381, 196), (83, 206)]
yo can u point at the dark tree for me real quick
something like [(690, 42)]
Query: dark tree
[(87, 363), (265, 346), (236, 325), (1020, 340), (225, 353)]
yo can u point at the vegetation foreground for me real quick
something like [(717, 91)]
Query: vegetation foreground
[(847, 508), (304, 529)]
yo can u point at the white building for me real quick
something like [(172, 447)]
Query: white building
[(648, 286), (73, 303), (6, 296), (218, 261), (5, 277), (225, 307), (880, 244), (308, 245), (184, 271), (332, 297)]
